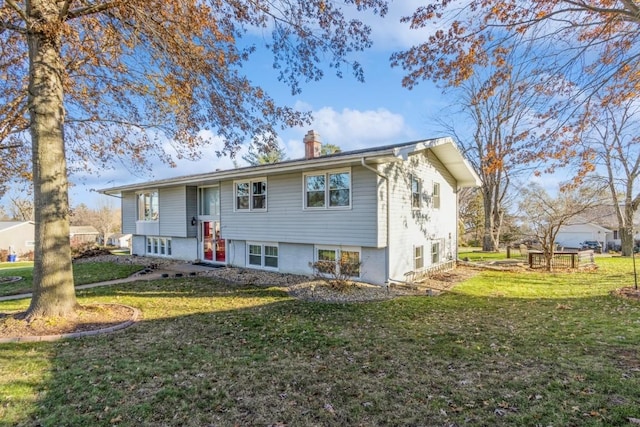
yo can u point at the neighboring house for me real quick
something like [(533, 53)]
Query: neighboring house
[(394, 209), (572, 235), (17, 236), (119, 240), (80, 234)]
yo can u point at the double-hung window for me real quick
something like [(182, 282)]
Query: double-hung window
[(435, 252), (418, 257), (148, 206), (327, 190), (262, 255), (416, 192), (251, 195), (435, 196)]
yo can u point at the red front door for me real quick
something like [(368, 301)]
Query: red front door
[(213, 245)]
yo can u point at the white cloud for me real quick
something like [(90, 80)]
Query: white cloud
[(353, 129)]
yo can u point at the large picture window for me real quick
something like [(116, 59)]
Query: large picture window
[(251, 195), (148, 206), (262, 255), (330, 189)]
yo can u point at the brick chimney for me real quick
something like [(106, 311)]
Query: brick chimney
[(312, 145)]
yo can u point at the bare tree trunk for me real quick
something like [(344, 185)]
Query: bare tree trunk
[(626, 241), (492, 220), (53, 289)]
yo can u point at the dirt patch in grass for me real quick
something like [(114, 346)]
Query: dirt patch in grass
[(87, 318), (629, 292)]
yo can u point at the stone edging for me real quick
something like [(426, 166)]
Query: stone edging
[(49, 338)]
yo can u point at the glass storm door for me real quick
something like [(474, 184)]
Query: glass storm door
[(213, 245), (207, 240)]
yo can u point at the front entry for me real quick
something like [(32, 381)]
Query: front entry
[(213, 245)]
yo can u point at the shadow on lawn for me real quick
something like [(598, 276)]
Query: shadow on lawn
[(212, 354)]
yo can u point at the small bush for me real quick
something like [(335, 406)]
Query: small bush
[(337, 274), (87, 250)]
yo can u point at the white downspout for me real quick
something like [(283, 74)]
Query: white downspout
[(386, 255)]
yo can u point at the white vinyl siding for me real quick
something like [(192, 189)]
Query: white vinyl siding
[(173, 212), (419, 227), (286, 222), (129, 212)]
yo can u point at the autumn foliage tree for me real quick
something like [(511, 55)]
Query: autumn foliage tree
[(501, 112), (84, 81), (584, 45)]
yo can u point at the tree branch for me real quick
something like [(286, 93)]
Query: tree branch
[(18, 9), (92, 9), (8, 26)]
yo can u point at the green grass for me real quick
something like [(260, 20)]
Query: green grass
[(503, 349), (83, 273), (476, 254)]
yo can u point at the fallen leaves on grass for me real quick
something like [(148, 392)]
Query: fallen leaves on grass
[(629, 292), (87, 318)]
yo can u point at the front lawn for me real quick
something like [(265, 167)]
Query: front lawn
[(83, 273), (502, 349)]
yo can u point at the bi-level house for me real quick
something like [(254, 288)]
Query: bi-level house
[(393, 209)]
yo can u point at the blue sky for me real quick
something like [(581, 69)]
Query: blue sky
[(346, 112)]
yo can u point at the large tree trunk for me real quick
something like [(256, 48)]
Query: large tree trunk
[(53, 289), (492, 222), (626, 241), (625, 219)]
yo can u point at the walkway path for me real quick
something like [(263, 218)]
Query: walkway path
[(173, 270)]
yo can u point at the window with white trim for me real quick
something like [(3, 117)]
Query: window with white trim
[(327, 190), (435, 252), (251, 195), (418, 257), (435, 196), (160, 246), (416, 192), (347, 255), (148, 206), (262, 255)]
